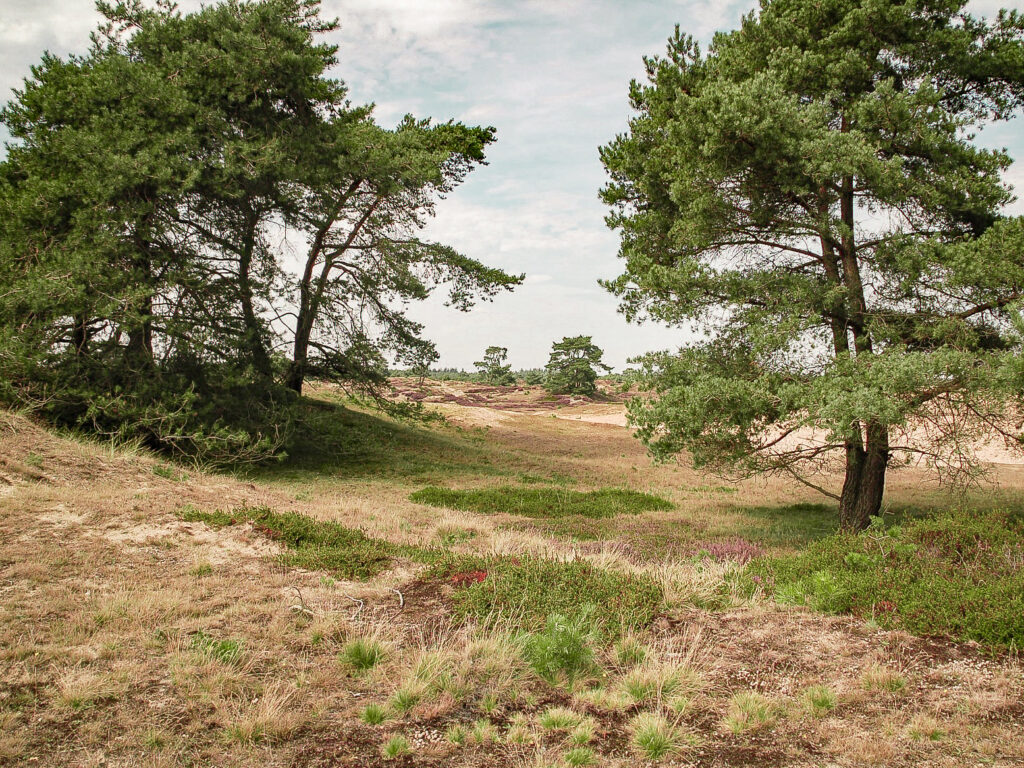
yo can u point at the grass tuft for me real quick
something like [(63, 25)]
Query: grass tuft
[(225, 651), (654, 736), (925, 728), (395, 747), (819, 700), (879, 678), (361, 654), (456, 734), (405, 698), (750, 711), (629, 651), (579, 756), (559, 719), (373, 714)]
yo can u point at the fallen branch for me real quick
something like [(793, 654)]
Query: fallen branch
[(301, 607)]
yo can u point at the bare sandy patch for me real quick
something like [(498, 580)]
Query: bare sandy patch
[(219, 546)]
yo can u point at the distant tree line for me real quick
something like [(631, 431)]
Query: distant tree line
[(573, 368), (194, 220)]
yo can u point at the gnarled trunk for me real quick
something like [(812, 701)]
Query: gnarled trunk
[(861, 497)]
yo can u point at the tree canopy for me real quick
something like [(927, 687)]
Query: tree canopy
[(572, 366), (153, 198), (494, 368), (808, 194)]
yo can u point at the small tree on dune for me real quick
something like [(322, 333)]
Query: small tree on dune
[(572, 366), (494, 368)]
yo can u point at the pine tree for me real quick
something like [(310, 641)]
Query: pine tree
[(808, 193)]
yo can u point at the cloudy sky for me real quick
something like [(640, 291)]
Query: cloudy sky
[(551, 76)]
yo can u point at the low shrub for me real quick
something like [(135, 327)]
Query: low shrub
[(563, 650), (955, 574), (542, 502)]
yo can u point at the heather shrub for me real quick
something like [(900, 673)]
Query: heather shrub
[(957, 574), (524, 592)]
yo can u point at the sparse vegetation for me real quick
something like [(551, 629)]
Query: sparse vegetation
[(313, 544)]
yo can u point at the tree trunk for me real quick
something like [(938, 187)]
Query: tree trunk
[(253, 333), (861, 497), (311, 288), (80, 335), (296, 375)]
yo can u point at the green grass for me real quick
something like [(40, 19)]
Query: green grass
[(580, 756), (957, 574), (559, 719), (226, 651), (315, 545), (456, 734), (395, 747), (526, 591), (404, 699), (655, 737), (334, 438), (542, 502), (750, 711), (361, 654), (819, 700), (373, 714)]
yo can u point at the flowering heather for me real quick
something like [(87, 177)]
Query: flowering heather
[(737, 549)]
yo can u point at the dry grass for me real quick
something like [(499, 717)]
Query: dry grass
[(103, 592)]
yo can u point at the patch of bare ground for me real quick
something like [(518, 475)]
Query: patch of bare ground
[(131, 638)]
